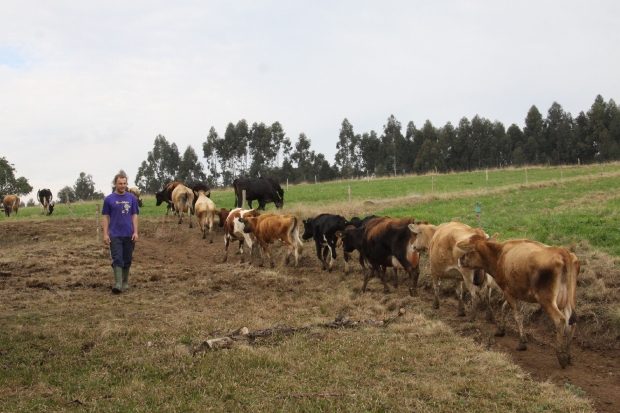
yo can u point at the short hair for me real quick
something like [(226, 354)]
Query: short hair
[(117, 176)]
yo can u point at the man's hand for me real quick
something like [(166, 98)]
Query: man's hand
[(134, 237), (106, 239)]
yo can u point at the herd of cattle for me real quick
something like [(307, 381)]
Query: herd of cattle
[(521, 269)]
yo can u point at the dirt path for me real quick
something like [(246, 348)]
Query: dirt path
[(162, 243)]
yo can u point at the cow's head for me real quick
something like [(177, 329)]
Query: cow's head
[(423, 232), (222, 214), (343, 238), (279, 202), (308, 229), (249, 224), (355, 221), (471, 257), (50, 208), (160, 197)]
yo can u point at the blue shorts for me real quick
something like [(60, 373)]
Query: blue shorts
[(121, 251)]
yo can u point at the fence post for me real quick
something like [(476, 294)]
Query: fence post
[(349, 194), (69, 206), (98, 226), (286, 184), (433, 184), (526, 175), (243, 199)]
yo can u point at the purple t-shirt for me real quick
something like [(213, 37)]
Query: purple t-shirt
[(120, 208)]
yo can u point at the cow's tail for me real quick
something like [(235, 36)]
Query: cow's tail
[(294, 235), (573, 272)]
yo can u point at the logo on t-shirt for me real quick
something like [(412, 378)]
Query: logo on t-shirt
[(126, 206)]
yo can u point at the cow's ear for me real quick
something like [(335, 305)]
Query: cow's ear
[(413, 228), (241, 220), (340, 234), (305, 221), (494, 237)]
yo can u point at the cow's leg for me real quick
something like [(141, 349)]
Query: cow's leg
[(459, 294), (383, 277), (367, 274), (319, 248), (519, 319), (413, 280), (346, 262), (436, 291), (189, 215), (559, 320), (501, 326), (226, 243), (569, 339), (488, 291), (332, 249), (395, 277)]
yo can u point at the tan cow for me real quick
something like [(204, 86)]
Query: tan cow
[(268, 228), (136, 192), (182, 198), (233, 229), (11, 204), (532, 272), (205, 214), (443, 253)]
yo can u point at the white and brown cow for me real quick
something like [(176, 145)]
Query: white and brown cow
[(268, 228), (182, 198), (233, 229), (441, 243), (532, 272), (205, 212), (11, 204)]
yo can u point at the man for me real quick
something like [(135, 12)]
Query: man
[(120, 230)]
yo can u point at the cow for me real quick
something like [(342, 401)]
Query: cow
[(165, 195), (46, 200), (11, 204), (205, 212), (136, 192), (323, 230), (264, 190), (532, 272), (441, 243), (182, 198), (268, 228), (351, 240), (386, 239), (233, 229)]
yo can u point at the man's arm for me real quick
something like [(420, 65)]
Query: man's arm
[(106, 226), (134, 221)]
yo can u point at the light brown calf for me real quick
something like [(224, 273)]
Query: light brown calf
[(205, 214), (136, 192), (271, 227), (11, 204), (443, 253), (182, 198), (532, 272)]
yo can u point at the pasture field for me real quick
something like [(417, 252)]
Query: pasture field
[(67, 343)]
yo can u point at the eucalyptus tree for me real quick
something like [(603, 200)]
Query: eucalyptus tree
[(209, 150), (161, 166), (369, 148), (84, 187), (303, 157), (534, 138), (9, 184), (190, 169)]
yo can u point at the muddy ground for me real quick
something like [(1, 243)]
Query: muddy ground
[(64, 256)]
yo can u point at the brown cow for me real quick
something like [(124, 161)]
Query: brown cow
[(182, 199), (233, 229), (205, 212), (11, 204), (268, 228), (532, 272), (441, 243), (136, 192), (388, 239)]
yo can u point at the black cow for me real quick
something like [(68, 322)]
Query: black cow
[(352, 238), (263, 190), (200, 186), (323, 229), (45, 198), (165, 195), (387, 244)]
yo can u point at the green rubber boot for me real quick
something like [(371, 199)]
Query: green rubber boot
[(118, 278), (125, 278)]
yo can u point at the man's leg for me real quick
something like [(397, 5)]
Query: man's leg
[(128, 246), (116, 253)]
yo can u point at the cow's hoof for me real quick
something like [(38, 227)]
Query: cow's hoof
[(563, 359), (436, 305), (211, 242), (271, 265), (461, 313), (413, 292), (500, 333), (522, 346)]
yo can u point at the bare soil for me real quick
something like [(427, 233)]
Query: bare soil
[(170, 256)]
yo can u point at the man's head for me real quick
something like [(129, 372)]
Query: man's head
[(120, 183)]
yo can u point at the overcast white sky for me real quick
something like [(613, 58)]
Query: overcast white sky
[(87, 86)]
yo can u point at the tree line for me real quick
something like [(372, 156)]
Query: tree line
[(261, 149)]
